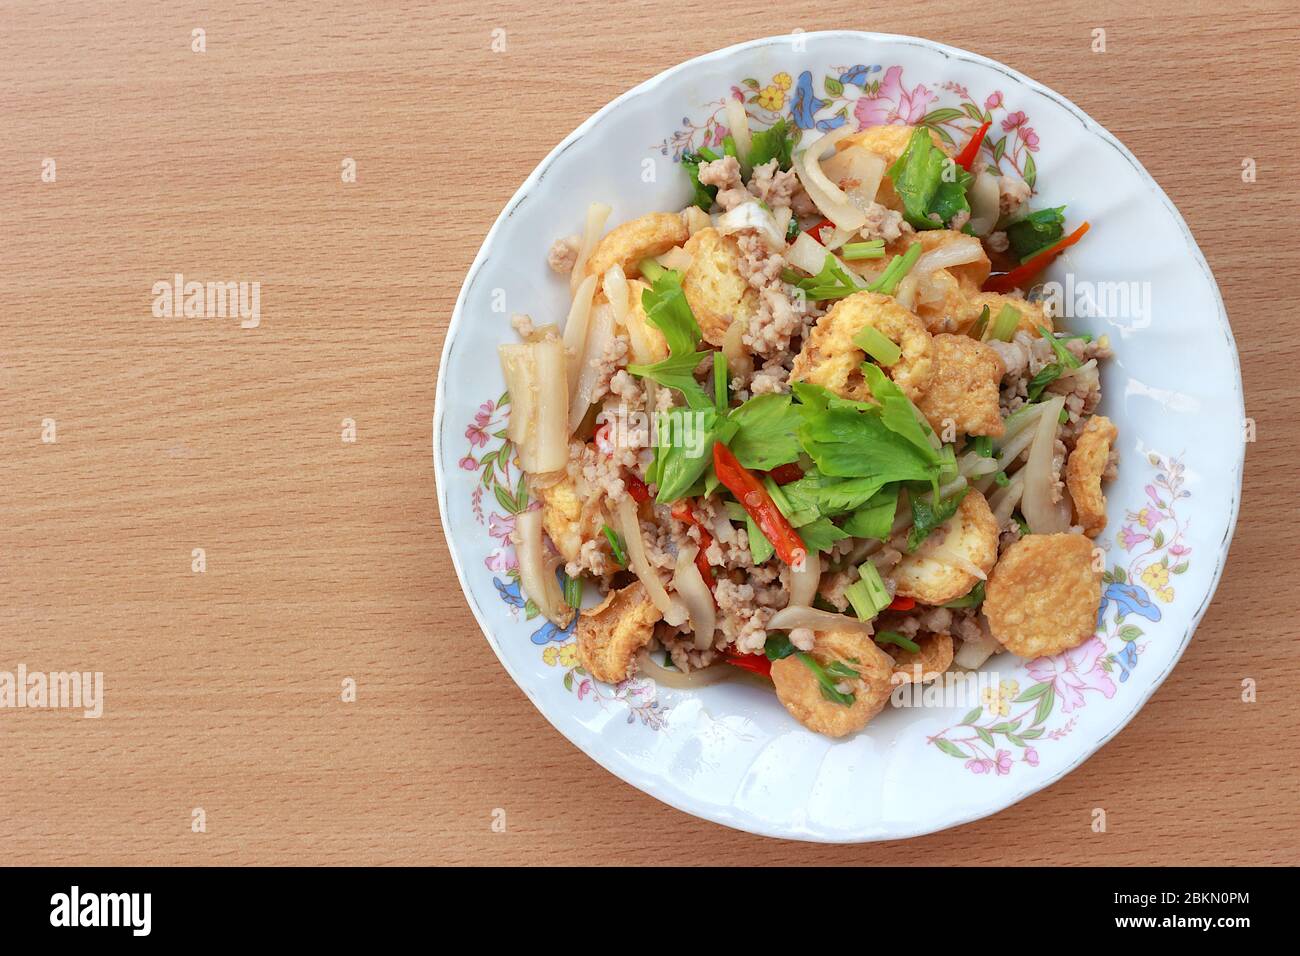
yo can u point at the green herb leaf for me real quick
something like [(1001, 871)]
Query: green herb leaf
[(929, 182), (775, 142), (1063, 355), (927, 515), (701, 195), (820, 534), (766, 432), (1033, 233), (831, 283), (668, 311), (874, 518), (973, 598), (893, 637), (1045, 377), (778, 646), (684, 449)]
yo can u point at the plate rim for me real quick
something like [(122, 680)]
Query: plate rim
[(720, 815)]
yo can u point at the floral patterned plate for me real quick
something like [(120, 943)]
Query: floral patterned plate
[(730, 752)]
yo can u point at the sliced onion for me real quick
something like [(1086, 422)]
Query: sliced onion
[(597, 213), (677, 259), (832, 201), (906, 294), (740, 363), (750, 215), (536, 570), (599, 335), (937, 549), (955, 253), (860, 165), (629, 527), (973, 653), (1022, 418), (985, 202), (535, 376), (804, 580), (694, 593), (952, 487), (696, 219), (1044, 515), (678, 680), (738, 126), (616, 291), (973, 465), (575, 326), (808, 254), (1013, 449), (816, 619), (1003, 501)]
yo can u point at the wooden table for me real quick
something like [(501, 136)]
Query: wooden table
[(325, 560)]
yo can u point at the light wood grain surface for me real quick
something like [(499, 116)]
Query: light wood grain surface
[(325, 560)]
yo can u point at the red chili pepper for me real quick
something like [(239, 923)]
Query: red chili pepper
[(754, 663), (1019, 277), (816, 230), (682, 512), (753, 497), (966, 158), (784, 474), (902, 604), (636, 488)]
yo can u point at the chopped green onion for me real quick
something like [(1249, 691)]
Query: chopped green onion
[(1021, 523), (875, 249), (842, 670), (615, 545), (893, 637), (859, 597), (1001, 479), (651, 270), (720, 390), (982, 323), (827, 683), (778, 646), (1063, 355), (1045, 377), (573, 591), (1064, 416), (1005, 325), (887, 282), (876, 344), (982, 445), (792, 229)]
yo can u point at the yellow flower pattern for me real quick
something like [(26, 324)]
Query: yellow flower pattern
[(997, 700), (564, 655), (1156, 577), (771, 98)]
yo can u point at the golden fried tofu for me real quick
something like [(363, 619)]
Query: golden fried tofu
[(610, 634), (969, 275), (918, 667), (566, 518), (1032, 314), (1084, 470), (713, 285), (964, 389), (830, 359), (1042, 597), (800, 692), (637, 239), (972, 533)]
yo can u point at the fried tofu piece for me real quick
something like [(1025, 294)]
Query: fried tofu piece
[(919, 667), (1032, 314), (1084, 470), (800, 692), (964, 390), (626, 245), (972, 533), (714, 286), (566, 518), (830, 359), (1042, 597), (610, 634)]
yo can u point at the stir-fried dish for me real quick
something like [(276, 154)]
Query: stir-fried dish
[(809, 426)]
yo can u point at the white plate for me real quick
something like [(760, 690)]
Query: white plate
[(730, 752)]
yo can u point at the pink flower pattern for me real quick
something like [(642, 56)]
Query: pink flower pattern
[(1074, 672), (893, 103)]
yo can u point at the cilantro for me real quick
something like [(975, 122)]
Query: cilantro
[(775, 142), (766, 428), (701, 195), (893, 637), (928, 515), (1033, 233), (778, 646), (615, 545), (826, 681), (929, 183)]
